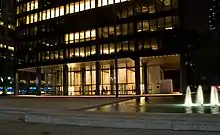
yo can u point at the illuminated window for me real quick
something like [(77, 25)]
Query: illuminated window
[(145, 25), (105, 32), (104, 2), (76, 37), (17, 23), (67, 9), (93, 34), (81, 36), (52, 12), (71, 7), (35, 17), (111, 30), (57, 12), (71, 38), (93, 51), (87, 4), (44, 15), (61, 10), (82, 52), (110, 2), (112, 48), (117, 1), (36, 4), (87, 50), (152, 9), (99, 3), (76, 7), (166, 2), (27, 20), (18, 10), (118, 30), (40, 16), (31, 18), (92, 4), (66, 38), (48, 14), (87, 33), (32, 5), (82, 5), (28, 6)]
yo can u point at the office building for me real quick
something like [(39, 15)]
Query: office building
[(214, 16), (7, 33), (95, 47)]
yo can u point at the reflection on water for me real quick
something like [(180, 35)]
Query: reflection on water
[(156, 105), (188, 109), (200, 109), (215, 109)]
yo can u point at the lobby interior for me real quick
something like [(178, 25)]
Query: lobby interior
[(82, 78)]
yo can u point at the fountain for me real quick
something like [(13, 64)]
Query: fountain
[(199, 96), (188, 97), (214, 100)]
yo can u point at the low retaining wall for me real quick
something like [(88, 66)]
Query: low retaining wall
[(131, 121)]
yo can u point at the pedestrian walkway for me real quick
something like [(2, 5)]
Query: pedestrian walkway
[(21, 128)]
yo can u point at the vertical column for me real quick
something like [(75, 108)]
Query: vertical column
[(112, 79), (38, 81), (183, 76), (46, 80), (137, 76), (116, 76), (154, 73), (83, 80), (16, 83), (98, 78), (28, 82), (145, 78), (65, 80)]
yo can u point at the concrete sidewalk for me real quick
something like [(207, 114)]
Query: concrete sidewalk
[(20, 128)]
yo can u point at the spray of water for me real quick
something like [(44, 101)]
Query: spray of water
[(188, 97), (214, 99), (199, 96)]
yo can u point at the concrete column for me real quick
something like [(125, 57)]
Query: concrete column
[(98, 78), (183, 75), (112, 79), (16, 83), (83, 80), (65, 80), (154, 73), (137, 76), (38, 81), (145, 78)]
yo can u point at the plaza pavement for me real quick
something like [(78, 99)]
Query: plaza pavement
[(21, 128), (57, 103), (69, 111)]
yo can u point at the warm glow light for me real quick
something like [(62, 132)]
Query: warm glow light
[(70, 8)]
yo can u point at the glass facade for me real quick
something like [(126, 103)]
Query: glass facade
[(83, 33)]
